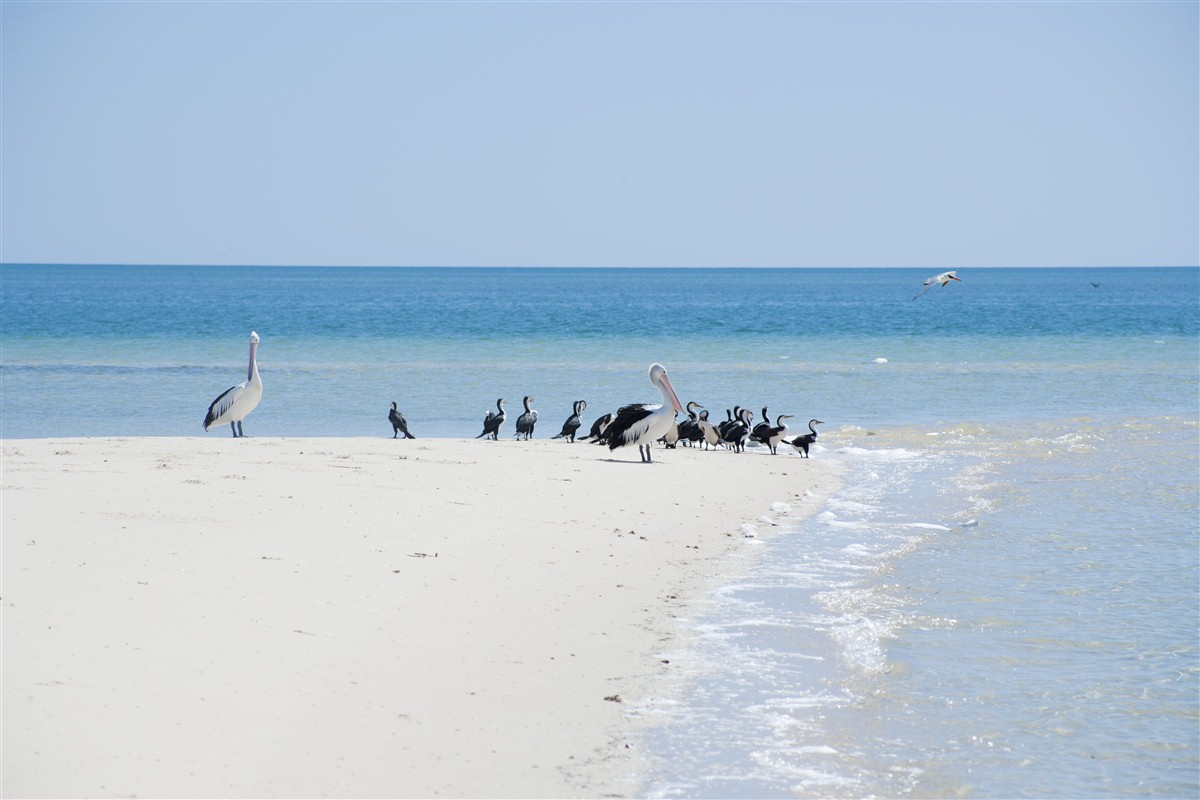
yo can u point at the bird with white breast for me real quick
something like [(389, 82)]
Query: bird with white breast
[(643, 423), (233, 404)]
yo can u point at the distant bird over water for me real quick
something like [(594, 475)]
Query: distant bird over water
[(233, 404), (938, 280), (399, 423), (643, 423), (493, 421)]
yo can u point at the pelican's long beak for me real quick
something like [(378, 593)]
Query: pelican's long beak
[(671, 393)]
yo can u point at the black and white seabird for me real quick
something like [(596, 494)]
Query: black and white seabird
[(711, 436), (573, 422), (689, 430), (493, 421), (777, 433), (737, 433), (759, 432), (527, 420), (598, 429), (938, 280), (642, 423), (801, 443), (233, 404)]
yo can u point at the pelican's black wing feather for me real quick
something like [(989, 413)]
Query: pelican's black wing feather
[(218, 407), (627, 417)]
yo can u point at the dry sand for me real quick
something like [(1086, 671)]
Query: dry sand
[(210, 617)]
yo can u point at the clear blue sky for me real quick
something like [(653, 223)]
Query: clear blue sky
[(939, 134)]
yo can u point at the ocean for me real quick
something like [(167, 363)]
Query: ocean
[(1003, 600)]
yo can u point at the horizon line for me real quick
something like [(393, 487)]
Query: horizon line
[(581, 267)]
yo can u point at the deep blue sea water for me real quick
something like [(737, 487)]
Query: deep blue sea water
[(1002, 601)]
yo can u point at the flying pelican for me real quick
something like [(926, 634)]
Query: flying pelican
[(641, 423), (399, 423), (938, 280), (573, 422), (526, 421), (233, 404), (801, 443), (493, 421)]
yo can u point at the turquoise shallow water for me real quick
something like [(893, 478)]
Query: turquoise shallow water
[(143, 350), (1001, 602)]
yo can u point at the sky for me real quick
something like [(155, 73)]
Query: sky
[(641, 134)]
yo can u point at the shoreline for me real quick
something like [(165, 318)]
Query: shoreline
[(366, 617)]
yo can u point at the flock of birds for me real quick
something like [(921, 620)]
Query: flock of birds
[(633, 424), (637, 424), (640, 424)]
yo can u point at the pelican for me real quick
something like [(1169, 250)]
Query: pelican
[(526, 421), (233, 404), (399, 423), (493, 421), (801, 443), (573, 422), (641, 423), (938, 280), (775, 435)]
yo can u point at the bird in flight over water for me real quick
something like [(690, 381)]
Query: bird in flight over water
[(938, 280)]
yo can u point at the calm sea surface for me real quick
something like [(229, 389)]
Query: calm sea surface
[(1001, 602)]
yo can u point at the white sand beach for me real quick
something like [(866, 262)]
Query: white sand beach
[(210, 617)]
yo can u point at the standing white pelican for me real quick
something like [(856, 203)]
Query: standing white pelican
[(642, 424), (233, 404), (938, 280)]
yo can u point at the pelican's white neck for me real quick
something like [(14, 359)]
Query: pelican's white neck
[(252, 369)]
